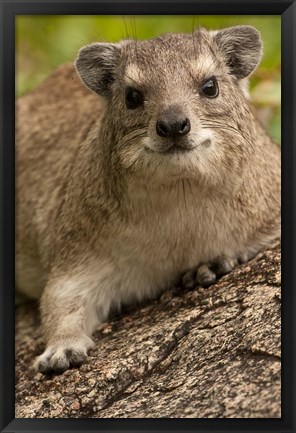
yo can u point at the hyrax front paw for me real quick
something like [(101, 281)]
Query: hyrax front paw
[(207, 273), (63, 354)]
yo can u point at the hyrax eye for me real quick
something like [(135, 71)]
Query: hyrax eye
[(133, 98), (210, 88)]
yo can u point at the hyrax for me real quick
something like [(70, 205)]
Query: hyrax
[(157, 166)]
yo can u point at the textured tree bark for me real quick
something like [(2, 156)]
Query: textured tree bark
[(205, 353)]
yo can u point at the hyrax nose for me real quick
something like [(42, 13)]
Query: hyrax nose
[(172, 125)]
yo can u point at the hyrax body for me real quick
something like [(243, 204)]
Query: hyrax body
[(162, 169)]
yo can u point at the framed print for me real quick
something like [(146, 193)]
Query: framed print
[(147, 216)]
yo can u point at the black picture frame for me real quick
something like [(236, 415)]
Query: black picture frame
[(9, 9)]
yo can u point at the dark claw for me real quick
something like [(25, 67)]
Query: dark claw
[(77, 359), (223, 266), (205, 276), (44, 368), (189, 280)]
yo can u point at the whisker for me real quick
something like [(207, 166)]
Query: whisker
[(121, 79), (126, 28), (189, 185), (134, 162), (154, 171), (127, 140), (184, 194), (200, 162), (228, 128)]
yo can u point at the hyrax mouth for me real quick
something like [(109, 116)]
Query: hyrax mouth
[(174, 147), (176, 150)]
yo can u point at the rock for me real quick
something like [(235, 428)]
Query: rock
[(204, 353)]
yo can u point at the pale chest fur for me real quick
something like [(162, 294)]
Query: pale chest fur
[(169, 236)]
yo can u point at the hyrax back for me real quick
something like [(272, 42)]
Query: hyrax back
[(160, 169), (51, 122)]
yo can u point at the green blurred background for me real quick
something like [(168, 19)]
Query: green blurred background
[(43, 42)]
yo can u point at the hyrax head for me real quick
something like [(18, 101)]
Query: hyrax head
[(176, 105)]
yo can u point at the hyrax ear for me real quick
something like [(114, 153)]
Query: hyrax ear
[(241, 48), (96, 64)]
